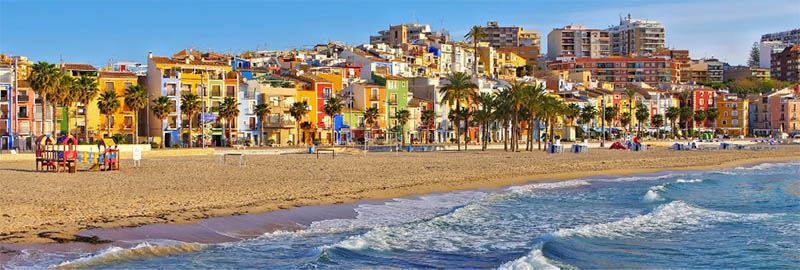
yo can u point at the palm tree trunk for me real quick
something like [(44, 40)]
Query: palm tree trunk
[(54, 119), (458, 126), (162, 133), (190, 130), (505, 136), (136, 127), (539, 133), (85, 123)]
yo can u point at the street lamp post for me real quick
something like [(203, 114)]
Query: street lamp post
[(603, 121)]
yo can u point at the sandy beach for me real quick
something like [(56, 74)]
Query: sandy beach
[(49, 207)]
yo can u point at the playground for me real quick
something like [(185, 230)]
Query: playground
[(61, 155)]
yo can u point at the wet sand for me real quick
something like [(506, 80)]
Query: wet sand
[(50, 207)]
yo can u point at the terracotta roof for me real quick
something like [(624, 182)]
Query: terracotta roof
[(68, 66), (165, 60), (117, 74), (314, 78)]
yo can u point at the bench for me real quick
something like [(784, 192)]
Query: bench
[(333, 152), (225, 156)]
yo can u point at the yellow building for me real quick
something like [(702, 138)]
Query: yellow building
[(180, 75), (733, 114), (123, 121)]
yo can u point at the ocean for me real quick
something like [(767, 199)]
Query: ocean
[(738, 218)]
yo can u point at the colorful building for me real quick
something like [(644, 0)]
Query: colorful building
[(365, 96), (280, 128), (182, 74), (123, 121), (733, 118), (396, 99)]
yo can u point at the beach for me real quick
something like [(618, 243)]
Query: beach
[(49, 207)]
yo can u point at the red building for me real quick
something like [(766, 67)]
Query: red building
[(624, 71)]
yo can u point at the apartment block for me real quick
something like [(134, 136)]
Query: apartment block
[(635, 37), (711, 68), (791, 37), (576, 40), (623, 71), (684, 62), (396, 35), (786, 64), (525, 43), (733, 114)]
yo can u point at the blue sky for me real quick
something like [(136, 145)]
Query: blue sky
[(96, 31)]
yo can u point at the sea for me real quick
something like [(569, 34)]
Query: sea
[(738, 218)]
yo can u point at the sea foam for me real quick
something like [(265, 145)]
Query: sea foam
[(114, 255), (664, 218)]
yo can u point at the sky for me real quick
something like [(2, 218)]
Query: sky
[(97, 32)]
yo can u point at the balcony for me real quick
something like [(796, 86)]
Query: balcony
[(23, 98), (22, 115), (374, 98)]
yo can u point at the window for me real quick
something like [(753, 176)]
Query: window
[(171, 89), (724, 122), (127, 85), (109, 86), (374, 94), (360, 121), (392, 84), (374, 104), (128, 122), (327, 92), (22, 112), (274, 101), (216, 91), (251, 122), (251, 107), (230, 91), (735, 123), (393, 111), (725, 114), (305, 101), (186, 88), (393, 99), (201, 90)]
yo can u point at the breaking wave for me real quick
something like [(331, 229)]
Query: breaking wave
[(663, 219), (534, 260), (548, 186), (115, 255)]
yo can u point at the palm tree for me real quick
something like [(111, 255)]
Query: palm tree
[(658, 121), (699, 119), (588, 113), (108, 104), (516, 99), (228, 110), (66, 95), (503, 112), (611, 114), (476, 33), (402, 118), (298, 110), (262, 110), (371, 118), (711, 115), (484, 115), (572, 111), (161, 108), (642, 114), (136, 98), (88, 91), (625, 119), (533, 97), (552, 108), (190, 105), (333, 106), (672, 114), (460, 89), (44, 80), (428, 118), (685, 115), (631, 94)]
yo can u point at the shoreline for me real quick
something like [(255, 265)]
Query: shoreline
[(347, 196), (239, 227)]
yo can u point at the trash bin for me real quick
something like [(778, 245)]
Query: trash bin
[(409, 148), (311, 149)]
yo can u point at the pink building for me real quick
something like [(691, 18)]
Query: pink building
[(784, 115)]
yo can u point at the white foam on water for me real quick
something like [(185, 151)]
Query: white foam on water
[(114, 255), (664, 218), (399, 211), (689, 181), (534, 260), (549, 186), (652, 196), (642, 177)]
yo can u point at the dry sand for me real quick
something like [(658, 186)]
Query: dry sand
[(46, 207)]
